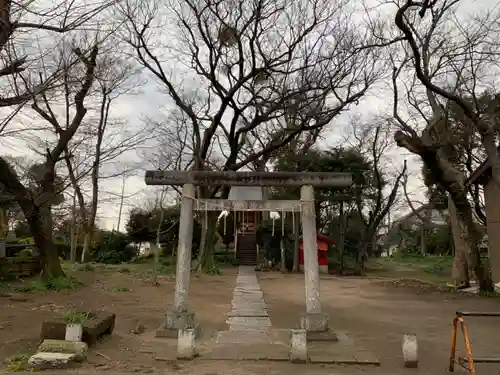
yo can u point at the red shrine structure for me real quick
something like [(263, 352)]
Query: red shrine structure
[(322, 243)]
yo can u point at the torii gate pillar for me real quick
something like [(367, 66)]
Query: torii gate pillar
[(313, 320)]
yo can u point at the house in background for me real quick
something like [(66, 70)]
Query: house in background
[(396, 235)]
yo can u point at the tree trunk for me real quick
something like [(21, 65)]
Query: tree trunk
[(423, 239), (451, 179), (296, 241), (72, 252), (460, 269), (87, 241), (465, 216), (4, 223), (208, 239), (40, 223), (366, 242), (341, 244)]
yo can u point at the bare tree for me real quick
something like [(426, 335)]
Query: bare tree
[(36, 204), (252, 65), (102, 139), (458, 55), (381, 194), (25, 26)]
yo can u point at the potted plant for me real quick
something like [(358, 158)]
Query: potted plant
[(74, 325)]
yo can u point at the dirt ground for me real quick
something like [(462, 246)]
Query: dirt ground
[(374, 313)]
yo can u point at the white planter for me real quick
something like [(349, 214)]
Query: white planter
[(74, 332), (410, 350)]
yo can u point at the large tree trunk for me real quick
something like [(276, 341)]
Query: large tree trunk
[(451, 179), (208, 239), (40, 223), (464, 211), (460, 269)]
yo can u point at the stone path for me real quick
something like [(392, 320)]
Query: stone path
[(248, 320)]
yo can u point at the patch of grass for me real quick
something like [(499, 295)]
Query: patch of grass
[(167, 270), (121, 289), (17, 362), (57, 284), (75, 317), (26, 288), (436, 269), (60, 284), (488, 294), (168, 261)]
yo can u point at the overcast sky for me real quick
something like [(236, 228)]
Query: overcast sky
[(133, 109)]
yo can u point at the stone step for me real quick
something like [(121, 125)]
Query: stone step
[(248, 319), (242, 337), (256, 314)]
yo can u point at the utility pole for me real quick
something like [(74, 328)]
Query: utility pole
[(121, 205)]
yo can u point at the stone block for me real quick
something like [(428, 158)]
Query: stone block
[(174, 321), (98, 324), (298, 346), (78, 348), (410, 351), (328, 335), (179, 320), (74, 332), (186, 343), (314, 322), (47, 360), (172, 333)]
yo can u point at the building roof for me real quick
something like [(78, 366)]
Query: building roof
[(433, 214)]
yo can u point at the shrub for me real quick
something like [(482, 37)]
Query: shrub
[(26, 252), (113, 249), (224, 258)]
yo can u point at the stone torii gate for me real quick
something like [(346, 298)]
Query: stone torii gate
[(179, 316)]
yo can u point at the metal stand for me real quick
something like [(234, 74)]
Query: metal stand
[(469, 359)]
